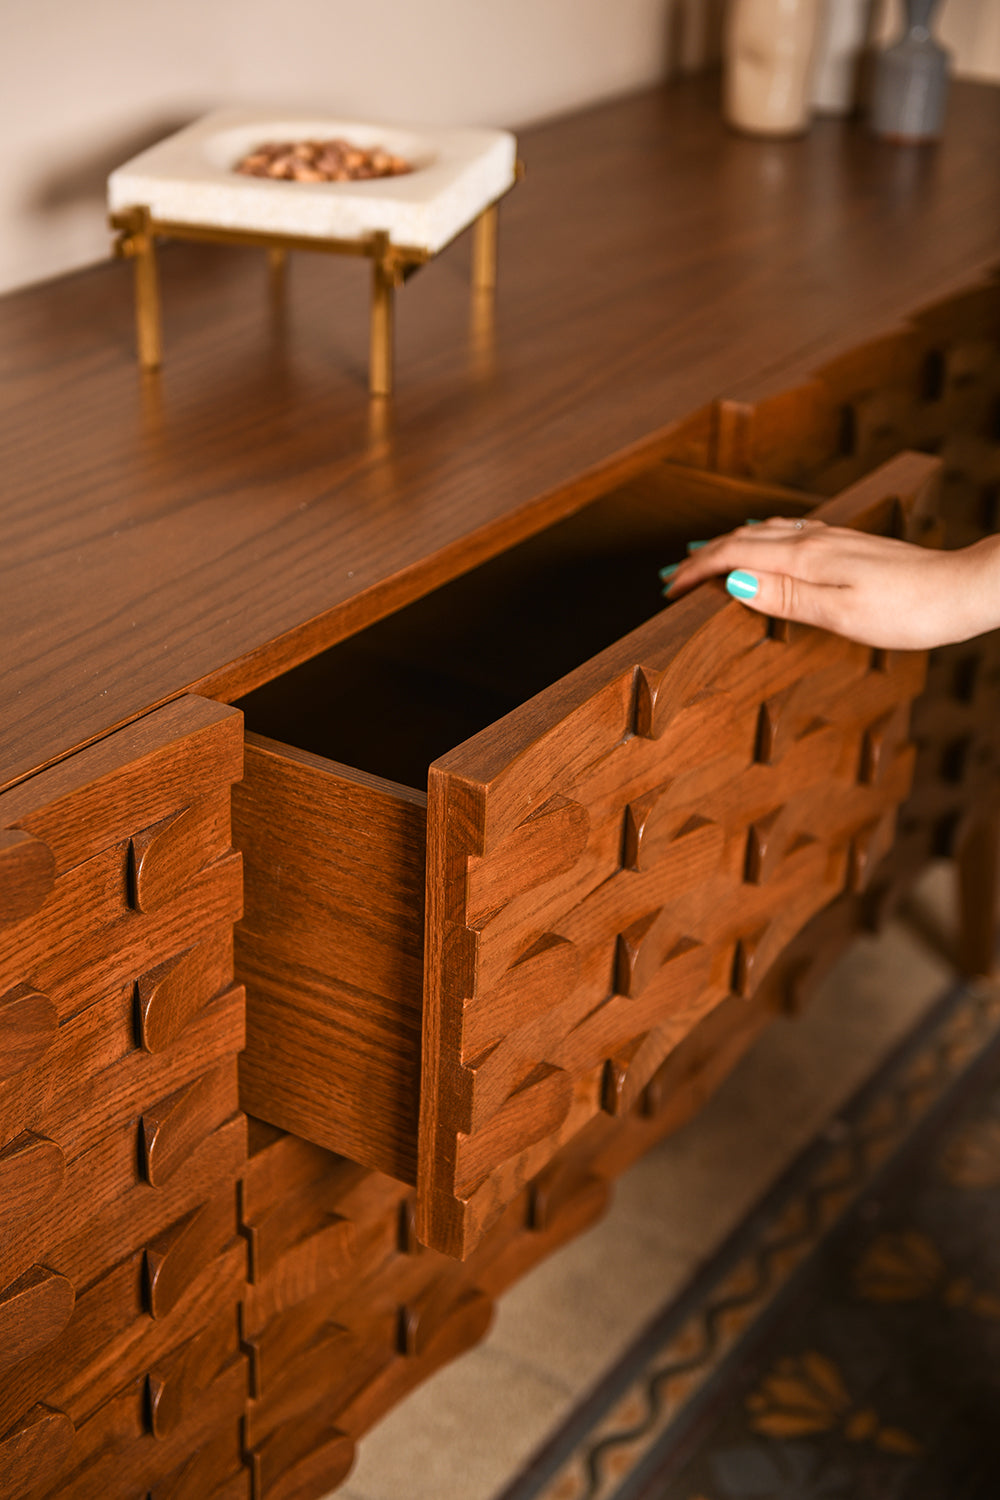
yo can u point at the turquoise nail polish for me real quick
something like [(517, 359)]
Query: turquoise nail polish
[(693, 546), (742, 585), (751, 521), (669, 571)]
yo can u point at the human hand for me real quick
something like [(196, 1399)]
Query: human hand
[(872, 589)]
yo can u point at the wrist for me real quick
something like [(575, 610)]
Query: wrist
[(980, 587)]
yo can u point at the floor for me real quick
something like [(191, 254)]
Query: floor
[(465, 1433)]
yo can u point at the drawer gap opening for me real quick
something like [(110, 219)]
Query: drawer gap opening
[(399, 694)]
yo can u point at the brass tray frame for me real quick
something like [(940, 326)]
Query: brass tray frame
[(136, 234)]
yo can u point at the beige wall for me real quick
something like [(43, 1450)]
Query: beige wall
[(84, 84)]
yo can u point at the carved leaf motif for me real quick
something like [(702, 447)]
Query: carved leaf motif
[(545, 845), (27, 874)]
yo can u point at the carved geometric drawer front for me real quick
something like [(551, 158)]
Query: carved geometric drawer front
[(608, 863), (121, 1138)]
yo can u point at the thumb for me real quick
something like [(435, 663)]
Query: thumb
[(789, 598)]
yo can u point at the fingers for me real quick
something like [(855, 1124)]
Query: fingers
[(808, 550), (788, 598), (777, 546), (792, 570)]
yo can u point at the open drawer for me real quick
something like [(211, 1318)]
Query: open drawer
[(644, 807)]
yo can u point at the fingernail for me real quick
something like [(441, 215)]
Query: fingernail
[(693, 546), (751, 521), (742, 585), (668, 571)]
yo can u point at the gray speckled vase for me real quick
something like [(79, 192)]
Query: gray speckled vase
[(910, 86)]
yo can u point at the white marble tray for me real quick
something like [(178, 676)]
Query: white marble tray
[(188, 179)]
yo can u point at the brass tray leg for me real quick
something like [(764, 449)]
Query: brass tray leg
[(385, 279), (484, 250), (137, 242)]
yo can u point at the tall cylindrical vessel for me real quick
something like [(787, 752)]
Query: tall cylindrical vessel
[(769, 49), (910, 86), (842, 35)]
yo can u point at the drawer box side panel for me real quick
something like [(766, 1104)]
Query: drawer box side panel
[(331, 951)]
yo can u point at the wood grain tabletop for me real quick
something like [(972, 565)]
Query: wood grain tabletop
[(210, 525)]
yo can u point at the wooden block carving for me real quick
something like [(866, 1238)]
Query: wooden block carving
[(764, 846), (663, 691), (644, 948), (535, 1110), (627, 1073), (175, 1258), (300, 1459), (34, 1310), (171, 994), (557, 1189), (297, 1223), (166, 856), (28, 1025), (170, 1130), (214, 1468), (179, 1376), (628, 880), (35, 1453), (545, 845), (637, 834), (877, 745), (868, 845), (27, 874), (746, 966), (653, 823), (538, 979), (32, 1170), (785, 719), (446, 1310)]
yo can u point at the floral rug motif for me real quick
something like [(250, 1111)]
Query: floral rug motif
[(844, 1343)]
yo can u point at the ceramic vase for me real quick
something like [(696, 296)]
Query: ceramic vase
[(910, 85), (840, 49), (769, 49)]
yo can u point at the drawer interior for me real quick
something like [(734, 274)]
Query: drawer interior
[(396, 696)]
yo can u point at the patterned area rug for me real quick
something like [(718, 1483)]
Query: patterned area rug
[(844, 1344)]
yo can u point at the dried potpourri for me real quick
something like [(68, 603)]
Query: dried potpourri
[(321, 161)]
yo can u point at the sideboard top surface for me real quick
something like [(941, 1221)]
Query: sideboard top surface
[(215, 523)]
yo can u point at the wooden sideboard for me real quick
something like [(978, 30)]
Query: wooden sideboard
[(518, 861)]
